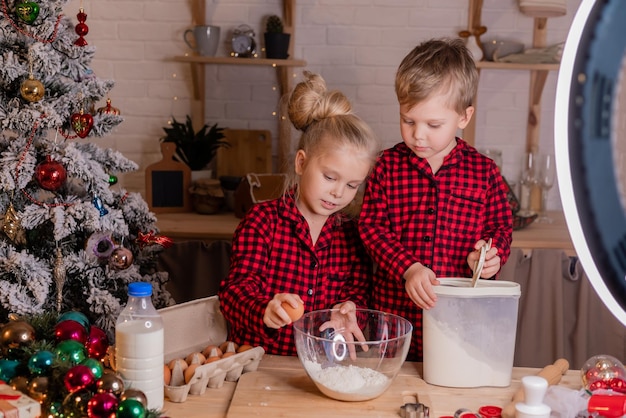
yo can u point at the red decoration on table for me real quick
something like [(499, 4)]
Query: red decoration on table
[(150, 239), (82, 123), (70, 330), (97, 343), (81, 28), (50, 174)]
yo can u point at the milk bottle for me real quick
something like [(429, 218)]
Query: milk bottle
[(139, 345)]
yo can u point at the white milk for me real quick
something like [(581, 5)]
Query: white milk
[(139, 359)]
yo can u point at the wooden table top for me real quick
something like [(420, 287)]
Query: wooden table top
[(280, 387), (193, 226)]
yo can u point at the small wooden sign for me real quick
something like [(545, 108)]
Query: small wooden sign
[(167, 183)]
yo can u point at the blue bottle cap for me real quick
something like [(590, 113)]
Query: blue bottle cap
[(139, 289)]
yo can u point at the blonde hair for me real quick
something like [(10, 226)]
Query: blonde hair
[(327, 122), (438, 66)]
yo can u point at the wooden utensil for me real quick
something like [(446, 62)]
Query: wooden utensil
[(552, 373)]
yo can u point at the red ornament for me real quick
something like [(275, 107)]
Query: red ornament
[(79, 377), (82, 123), (81, 28), (70, 330), (50, 174), (97, 343), (102, 405), (151, 239)]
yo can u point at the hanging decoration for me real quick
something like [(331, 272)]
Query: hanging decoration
[(100, 245), (112, 179), (153, 239), (97, 202), (58, 273), (81, 28), (50, 174), (82, 123), (32, 90), (27, 12), (12, 227), (121, 258), (108, 109)]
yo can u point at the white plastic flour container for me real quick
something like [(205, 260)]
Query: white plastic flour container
[(469, 336)]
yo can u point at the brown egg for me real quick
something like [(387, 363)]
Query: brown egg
[(228, 346), (212, 359), (228, 354), (167, 374), (195, 358), (181, 361), (191, 370), (244, 347), (209, 348), (294, 314)]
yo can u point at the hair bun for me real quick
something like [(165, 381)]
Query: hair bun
[(310, 101)]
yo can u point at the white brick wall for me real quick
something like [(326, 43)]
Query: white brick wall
[(355, 44)]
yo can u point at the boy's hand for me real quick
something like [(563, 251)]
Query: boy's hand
[(275, 316), (418, 282), (492, 260)]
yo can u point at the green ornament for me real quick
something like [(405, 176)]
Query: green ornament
[(40, 362), (112, 179), (8, 369), (27, 12), (55, 410), (95, 366), (79, 317), (131, 408), (72, 351)]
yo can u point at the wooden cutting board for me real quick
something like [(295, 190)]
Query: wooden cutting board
[(290, 393), (250, 151)]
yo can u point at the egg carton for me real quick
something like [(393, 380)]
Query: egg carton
[(190, 327), (213, 375)]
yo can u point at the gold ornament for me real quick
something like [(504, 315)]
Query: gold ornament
[(59, 276), (32, 90), (108, 109), (11, 226)]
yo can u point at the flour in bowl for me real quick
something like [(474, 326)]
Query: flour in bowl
[(347, 379)]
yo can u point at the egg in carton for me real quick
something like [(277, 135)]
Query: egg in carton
[(190, 328)]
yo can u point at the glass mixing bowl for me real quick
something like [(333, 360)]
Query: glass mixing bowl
[(353, 371)]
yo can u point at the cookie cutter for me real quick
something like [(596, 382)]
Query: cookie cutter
[(414, 410)]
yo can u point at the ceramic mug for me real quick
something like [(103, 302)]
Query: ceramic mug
[(205, 39)]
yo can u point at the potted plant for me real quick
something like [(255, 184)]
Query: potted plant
[(276, 40), (196, 149)]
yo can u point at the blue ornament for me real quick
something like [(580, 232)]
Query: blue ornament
[(8, 369), (97, 202), (40, 362), (79, 317)]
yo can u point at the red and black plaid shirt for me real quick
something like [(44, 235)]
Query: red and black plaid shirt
[(273, 253), (410, 215)]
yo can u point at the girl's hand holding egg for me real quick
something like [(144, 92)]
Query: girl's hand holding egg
[(282, 310)]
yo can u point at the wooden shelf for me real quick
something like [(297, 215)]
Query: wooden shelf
[(489, 65), (282, 67), (240, 61), (538, 76)]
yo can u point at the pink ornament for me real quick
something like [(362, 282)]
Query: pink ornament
[(97, 343), (70, 330), (78, 377), (102, 405)]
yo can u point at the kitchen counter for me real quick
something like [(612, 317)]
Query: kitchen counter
[(221, 226), (280, 387)]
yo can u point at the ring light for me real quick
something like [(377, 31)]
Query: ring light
[(590, 145)]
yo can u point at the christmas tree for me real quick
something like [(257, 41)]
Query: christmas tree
[(71, 239)]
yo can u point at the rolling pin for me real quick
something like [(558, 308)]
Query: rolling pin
[(552, 373)]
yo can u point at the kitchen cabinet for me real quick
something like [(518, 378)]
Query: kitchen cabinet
[(538, 75), (283, 73)]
